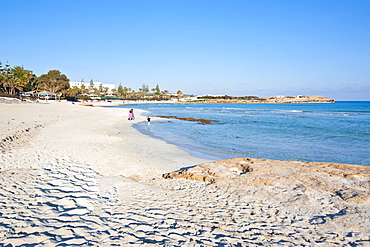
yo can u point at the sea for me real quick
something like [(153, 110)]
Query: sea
[(329, 132)]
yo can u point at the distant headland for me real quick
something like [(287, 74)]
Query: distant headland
[(267, 100)]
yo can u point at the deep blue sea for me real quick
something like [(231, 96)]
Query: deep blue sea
[(338, 132)]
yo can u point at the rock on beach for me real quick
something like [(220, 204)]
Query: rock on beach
[(349, 182)]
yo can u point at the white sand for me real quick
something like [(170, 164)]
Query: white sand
[(78, 175), (102, 137)]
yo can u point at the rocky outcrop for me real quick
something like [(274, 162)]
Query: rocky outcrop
[(350, 182), (199, 120)]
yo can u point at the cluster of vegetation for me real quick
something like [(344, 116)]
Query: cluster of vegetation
[(125, 93), (17, 80), (144, 93), (156, 93)]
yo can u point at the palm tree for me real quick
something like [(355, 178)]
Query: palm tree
[(13, 80), (132, 94), (84, 90), (8, 83), (120, 90), (31, 81), (21, 77), (154, 91), (164, 94), (126, 91)]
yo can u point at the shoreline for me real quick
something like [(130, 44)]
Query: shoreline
[(78, 175), (110, 125), (172, 131)]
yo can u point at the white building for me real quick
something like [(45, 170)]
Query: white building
[(96, 84)]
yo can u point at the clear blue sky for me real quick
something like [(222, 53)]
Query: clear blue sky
[(246, 47)]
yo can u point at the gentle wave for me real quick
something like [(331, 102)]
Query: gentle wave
[(286, 111)]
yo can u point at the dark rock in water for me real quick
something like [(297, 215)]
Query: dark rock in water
[(200, 120)]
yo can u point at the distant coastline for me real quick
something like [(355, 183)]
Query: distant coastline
[(266, 100), (300, 99)]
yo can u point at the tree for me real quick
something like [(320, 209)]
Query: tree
[(120, 90), (54, 81), (91, 87), (31, 81), (158, 90), (179, 95), (144, 90), (154, 91), (84, 90), (164, 94), (74, 91), (17, 79), (25, 78), (6, 82), (132, 93), (126, 91)]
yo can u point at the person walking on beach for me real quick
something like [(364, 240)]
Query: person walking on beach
[(131, 115), (148, 120)]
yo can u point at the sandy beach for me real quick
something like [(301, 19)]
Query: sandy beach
[(73, 175)]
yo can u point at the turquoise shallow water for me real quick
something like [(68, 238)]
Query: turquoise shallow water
[(337, 132)]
